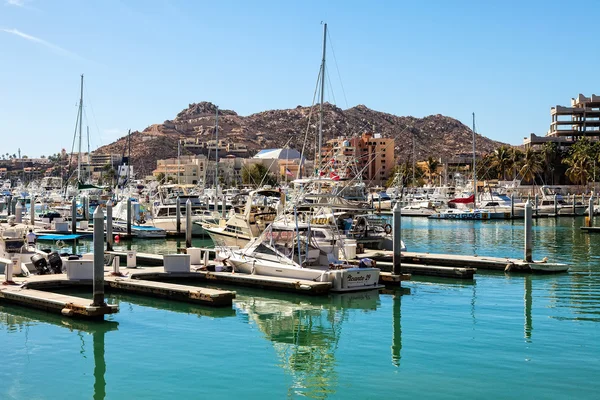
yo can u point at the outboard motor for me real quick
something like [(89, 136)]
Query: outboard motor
[(55, 262), (40, 264)]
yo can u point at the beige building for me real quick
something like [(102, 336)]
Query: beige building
[(568, 124), (185, 170), (369, 156)]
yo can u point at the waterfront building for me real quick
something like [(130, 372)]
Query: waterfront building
[(369, 156), (581, 119)]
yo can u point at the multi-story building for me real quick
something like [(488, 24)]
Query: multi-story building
[(568, 124), (369, 156), (185, 170)]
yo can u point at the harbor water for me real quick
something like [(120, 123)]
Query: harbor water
[(500, 336)]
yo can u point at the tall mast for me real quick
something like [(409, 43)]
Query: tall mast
[(88, 153), (178, 160), (80, 129), (474, 172), (216, 154), (320, 142), (413, 161)]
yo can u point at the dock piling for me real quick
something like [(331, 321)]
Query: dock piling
[(32, 212), (573, 204), (13, 206), (591, 210), (178, 215), (98, 284), (86, 208), (555, 205), (223, 213), (536, 198), (188, 223), (109, 221), (512, 205), (19, 213), (73, 215), (128, 217), (528, 232), (397, 240)]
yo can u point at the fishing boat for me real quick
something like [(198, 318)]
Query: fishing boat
[(288, 252)]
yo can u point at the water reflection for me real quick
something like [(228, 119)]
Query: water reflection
[(18, 318), (305, 333)]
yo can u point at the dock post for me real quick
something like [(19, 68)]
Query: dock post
[(379, 202), (73, 215), (555, 205), (536, 198), (591, 210), (86, 208), (223, 213), (397, 240), (188, 223), (512, 205), (109, 221), (8, 206), (178, 216), (32, 212), (18, 213), (98, 285), (528, 232), (573, 204), (13, 206), (129, 218)]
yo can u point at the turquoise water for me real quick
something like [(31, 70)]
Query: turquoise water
[(501, 336)]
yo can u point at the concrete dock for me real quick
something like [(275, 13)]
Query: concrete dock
[(69, 306), (461, 261)]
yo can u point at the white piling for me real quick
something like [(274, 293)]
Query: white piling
[(115, 266), (528, 232), (98, 285), (19, 213), (397, 240), (591, 209), (573, 204), (109, 221), (555, 204), (188, 223), (536, 198), (86, 208), (205, 258)]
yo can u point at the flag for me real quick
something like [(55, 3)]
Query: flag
[(334, 176), (288, 172)]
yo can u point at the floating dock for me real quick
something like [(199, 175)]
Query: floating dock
[(460, 261), (56, 303), (259, 281)]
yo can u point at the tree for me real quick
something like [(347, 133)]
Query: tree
[(580, 159), (257, 174), (160, 177), (530, 165), (501, 159), (431, 165)]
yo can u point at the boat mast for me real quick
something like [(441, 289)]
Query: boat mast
[(88, 154), (320, 142), (413, 162), (80, 129), (474, 172), (216, 155)]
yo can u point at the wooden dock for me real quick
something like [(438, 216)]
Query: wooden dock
[(239, 279), (460, 261), (69, 306), (171, 291)]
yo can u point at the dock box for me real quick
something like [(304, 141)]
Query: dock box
[(80, 269), (61, 226), (177, 262)]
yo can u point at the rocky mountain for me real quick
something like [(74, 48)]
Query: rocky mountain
[(434, 135)]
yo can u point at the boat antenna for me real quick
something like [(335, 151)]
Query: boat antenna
[(320, 141), (474, 172)]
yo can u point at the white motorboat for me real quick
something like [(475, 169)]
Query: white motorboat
[(418, 209), (290, 253)]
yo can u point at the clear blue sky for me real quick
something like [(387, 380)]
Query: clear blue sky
[(145, 60)]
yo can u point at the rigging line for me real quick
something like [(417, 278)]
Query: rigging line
[(336, 66), (330, 85), (93, 114), (72, 149), (308, 124)]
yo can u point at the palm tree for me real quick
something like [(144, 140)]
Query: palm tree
[(580, 160), (515, 158), (531, 165), (431, 165), (551, 158), (501, 160)]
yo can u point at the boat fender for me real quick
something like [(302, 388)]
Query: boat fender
[(253, 271), (387, 228), (60, 243), (508, 267)]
